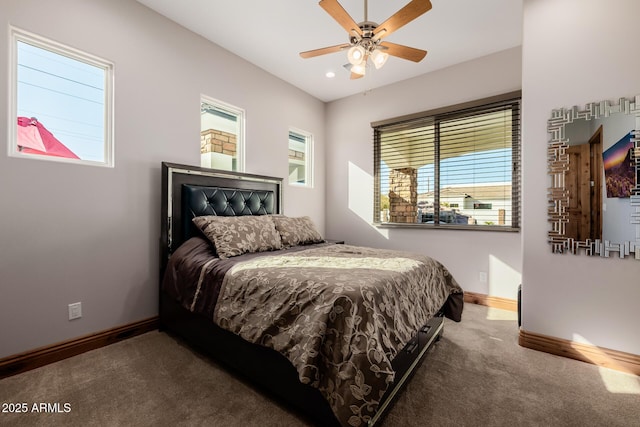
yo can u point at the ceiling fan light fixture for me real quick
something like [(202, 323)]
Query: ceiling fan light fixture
[(379, 58), (360, 68), (365, 38), (356, 55)]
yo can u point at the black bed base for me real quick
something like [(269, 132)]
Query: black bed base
[(273, 373)]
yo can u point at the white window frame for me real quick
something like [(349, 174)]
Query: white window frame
[(18, 35), (309, 155), (239, 113)]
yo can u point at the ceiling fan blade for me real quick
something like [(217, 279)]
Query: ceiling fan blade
[(405, 15), (324, 50), (337, 12), (404, 52), (356, 76)]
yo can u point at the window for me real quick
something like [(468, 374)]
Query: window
[(455, 167), (482, 206), (62, 101), (300, 158), (221, 135)]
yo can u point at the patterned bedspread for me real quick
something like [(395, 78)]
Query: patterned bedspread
[(339, 313)]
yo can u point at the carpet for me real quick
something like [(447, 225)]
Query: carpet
[(476, 375)]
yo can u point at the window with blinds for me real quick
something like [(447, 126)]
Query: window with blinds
[(455, 167)]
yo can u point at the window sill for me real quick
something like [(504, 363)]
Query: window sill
[(383, 225), (298, 185)]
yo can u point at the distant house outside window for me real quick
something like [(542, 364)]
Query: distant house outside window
[(300, 158), (60, 102), (221, 135)]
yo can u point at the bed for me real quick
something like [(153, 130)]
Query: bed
[(334, 342)]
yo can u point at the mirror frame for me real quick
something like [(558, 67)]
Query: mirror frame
[(558, 166)]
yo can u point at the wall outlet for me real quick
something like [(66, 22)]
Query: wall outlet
[(482, 276), (75, 310)]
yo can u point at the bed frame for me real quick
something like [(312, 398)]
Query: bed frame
[(231, 193)]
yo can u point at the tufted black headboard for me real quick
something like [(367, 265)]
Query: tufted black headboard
[(198, 200), (189, 191)]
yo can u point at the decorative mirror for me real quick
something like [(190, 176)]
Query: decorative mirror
[(594, 165)]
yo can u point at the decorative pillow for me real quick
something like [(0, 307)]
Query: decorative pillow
[(236, 235), (296, 231)]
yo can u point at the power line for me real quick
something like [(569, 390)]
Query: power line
[(37, 114), (52, 55), (61, 93), (78, 135), (61, 77)]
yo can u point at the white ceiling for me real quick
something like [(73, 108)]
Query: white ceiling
[(270, 34)]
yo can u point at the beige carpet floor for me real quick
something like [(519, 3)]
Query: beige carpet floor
[(476, 375)]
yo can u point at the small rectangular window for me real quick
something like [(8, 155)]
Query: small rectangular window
[(61, 100), (300, 158), (221, 135), (482, 206)]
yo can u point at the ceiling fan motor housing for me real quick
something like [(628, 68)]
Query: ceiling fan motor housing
[(365, 40)]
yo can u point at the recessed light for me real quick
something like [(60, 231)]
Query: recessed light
[(330, 74)]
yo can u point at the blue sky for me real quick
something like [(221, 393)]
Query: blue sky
[(66, 96)]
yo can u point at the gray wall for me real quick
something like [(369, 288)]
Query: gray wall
[(350, 183), (77, 233), (588, 300)]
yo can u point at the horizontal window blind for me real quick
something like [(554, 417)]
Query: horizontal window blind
[(453, 168)]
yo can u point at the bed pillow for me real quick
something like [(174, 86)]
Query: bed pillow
[(296, 231), (236, 235)]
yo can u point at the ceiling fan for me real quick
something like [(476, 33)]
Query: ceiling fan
[(365, 38)]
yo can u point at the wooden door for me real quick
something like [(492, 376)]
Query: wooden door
[(595, 146), (578, 182)]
